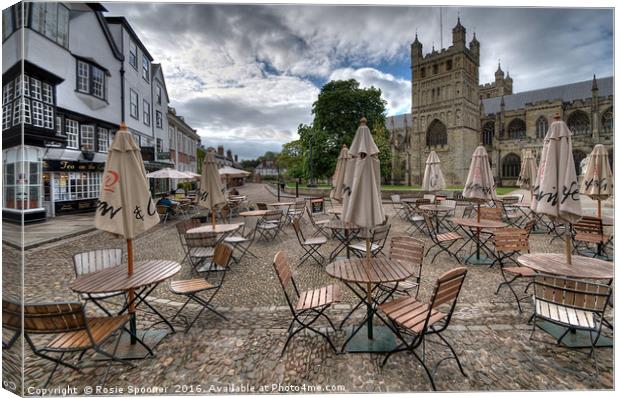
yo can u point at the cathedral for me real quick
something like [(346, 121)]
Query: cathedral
[(452, 113)]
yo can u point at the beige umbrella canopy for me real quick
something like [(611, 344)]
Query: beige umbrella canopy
[(598, 179), (232, 172), (125, 206), (211, 189), (527, 174), (169, 173), (556, 193), (362, 182), (433, 177), (480, 184), (338, 178)]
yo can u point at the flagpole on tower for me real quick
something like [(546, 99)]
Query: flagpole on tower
[(440, 29)]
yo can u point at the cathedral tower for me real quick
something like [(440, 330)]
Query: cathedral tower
[(445, 102)]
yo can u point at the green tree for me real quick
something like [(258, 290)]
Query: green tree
[(292, 159), (200, 157), (381, 135)]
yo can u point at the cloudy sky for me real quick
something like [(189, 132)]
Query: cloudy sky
[(246, 75)]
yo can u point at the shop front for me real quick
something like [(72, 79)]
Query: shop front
[(71, 186), (22, 197)]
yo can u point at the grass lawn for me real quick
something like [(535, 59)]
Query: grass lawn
[(500, 191)]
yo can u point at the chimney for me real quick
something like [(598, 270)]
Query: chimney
[(220, 150), (236, 158)]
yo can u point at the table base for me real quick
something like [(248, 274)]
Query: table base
[(576, 339), (482, 260), (126, 350), (383, 340)]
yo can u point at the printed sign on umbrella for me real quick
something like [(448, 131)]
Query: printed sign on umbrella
[(556, 193), (433, 177), (362, 193), (338, 178), (211, 189), (598, 181), (479, 187), (125, 206)]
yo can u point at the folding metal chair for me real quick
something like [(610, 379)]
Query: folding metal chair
[(194, 288), (414, 216), (573, 304), (589, 231), (93, 261), (307, 306), (242, 242), (201, 247), (431, 198), (71, 331), (310, 246), (378, 238), (182, 228), (414, 320), (399, 207), (508, 243), (442, 241), (270, 225), (164, 212), (296, 211), (319, 225)]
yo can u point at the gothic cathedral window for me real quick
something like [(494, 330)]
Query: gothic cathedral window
[(607, 122), (488, 131), (436, 134), (579, 123), (511, 166), (516, 129), (542, 125)]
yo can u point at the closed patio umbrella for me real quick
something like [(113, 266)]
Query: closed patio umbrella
[(211, 189), (598, 179), (433, 177), (480, 187), (338, 178), (362, 192), (527, 174), (125, 205), (556, 193)]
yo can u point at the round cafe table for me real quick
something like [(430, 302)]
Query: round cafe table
[(254, 213), (435, 211), (359, 274), (580, 268), (344, 232), (472, 227), (218, 228)]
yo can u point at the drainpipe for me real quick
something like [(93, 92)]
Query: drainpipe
[(122, 92)]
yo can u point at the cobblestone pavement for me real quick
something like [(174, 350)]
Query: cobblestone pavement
[(488, 332)]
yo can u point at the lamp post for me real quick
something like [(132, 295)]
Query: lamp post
[(311, 179), (278, 168)]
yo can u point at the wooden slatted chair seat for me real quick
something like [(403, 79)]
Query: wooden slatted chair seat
[(100, 329), (190, 286), (448, 236), (570, 316), (411, 314), (591, 237), (319, 240), (235, 239), (202, 252), (362, 246), (317, 298)]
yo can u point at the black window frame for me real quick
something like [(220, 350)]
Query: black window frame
[(511, 165), (91, 68), (130, 54), (28, 17), (144, 108), (137, 115), (158, 94), (159, 121), (146, 68)]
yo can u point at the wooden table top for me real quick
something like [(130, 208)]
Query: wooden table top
[(219, 228), (254, 213), (555, 264), (335, 210), (339, 224), (277, 204), (410, 200), (115, 279), (473, 223), (437, 208), (374, 270)]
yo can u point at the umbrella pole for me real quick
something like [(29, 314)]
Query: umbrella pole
[(599, 212), (213, 217), (478, 234), (369, 291), (567, 244), (132, 307)]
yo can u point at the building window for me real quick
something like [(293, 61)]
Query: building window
[(511, 165), (90, 79), (146, 113), (488, 132), (435, 69), (159, 145), (449, 65), (52, 21), (71, 131), (436, 134), (37, 114), (133, 54), (103, 139), (58, 125), (158, 94), (75, 186), (516, 129), (87, 137), (146, 68), (158, 119), (423, 72), (542, 125), (607, 122), (133, 104), (22, 170), (579, 123)]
